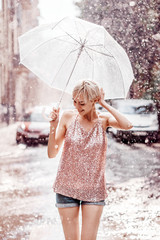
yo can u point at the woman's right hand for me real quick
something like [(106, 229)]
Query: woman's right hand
[(54, 115)]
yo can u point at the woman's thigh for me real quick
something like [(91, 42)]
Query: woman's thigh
[(91, 215), (70, 222)]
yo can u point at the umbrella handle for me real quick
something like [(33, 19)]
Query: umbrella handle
[(79, 53)]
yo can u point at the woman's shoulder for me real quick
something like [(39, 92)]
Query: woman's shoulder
[(104, 117), (68, 114)]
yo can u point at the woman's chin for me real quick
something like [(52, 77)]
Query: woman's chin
[(81, 112)]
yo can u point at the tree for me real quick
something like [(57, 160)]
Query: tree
[(133, 25)]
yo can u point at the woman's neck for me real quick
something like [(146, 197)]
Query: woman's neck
[(90, 116)]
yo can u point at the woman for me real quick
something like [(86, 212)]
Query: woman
[(80, 178)]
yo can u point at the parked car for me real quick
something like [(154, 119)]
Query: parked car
[(33, 127), (144, 117)]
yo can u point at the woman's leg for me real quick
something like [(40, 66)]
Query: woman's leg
[(70, 222), (91, 215)]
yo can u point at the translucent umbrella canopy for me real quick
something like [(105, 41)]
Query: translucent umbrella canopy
[(62, 53)]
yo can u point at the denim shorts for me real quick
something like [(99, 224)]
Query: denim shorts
[(64, 201)]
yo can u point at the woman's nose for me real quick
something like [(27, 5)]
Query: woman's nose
[(78, 107)]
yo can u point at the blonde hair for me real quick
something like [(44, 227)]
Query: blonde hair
[(88, 88)]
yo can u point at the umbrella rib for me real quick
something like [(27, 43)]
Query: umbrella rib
[(52, 27), (93, 67), (96, 45), (64, 41), (78, 32), (109, 56), (90, 31), (79, 53), (88, 54), (75, 49), (119, 70), (73, 38), (63, 64), (37, 47), (70, 36), (59, 38), (99, 52), (65, 31)]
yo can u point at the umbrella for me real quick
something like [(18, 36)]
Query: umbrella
[(51, 95), (71, 49), (51, 100)]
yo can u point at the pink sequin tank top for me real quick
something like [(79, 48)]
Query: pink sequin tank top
[(81, 171)]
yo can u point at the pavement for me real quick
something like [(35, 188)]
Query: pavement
[(132, 210)]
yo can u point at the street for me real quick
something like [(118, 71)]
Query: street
[(27, 201)]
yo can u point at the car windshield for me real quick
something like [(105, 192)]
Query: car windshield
[(131, 109), (33, 117)]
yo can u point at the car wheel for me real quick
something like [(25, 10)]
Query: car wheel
[(126, 141), (29, 142), (20, 139), (118, 139), (35, 143), (147, 141)]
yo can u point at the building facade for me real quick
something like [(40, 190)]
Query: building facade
[(16, 17)]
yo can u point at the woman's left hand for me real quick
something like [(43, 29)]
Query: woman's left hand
[(101, 98)]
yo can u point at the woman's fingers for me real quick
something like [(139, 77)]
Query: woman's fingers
[(55, 110), (54, 114), (102, 93)]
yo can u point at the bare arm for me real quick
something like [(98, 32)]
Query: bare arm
[(56, 137), (116, 119)]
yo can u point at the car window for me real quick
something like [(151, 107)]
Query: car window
[(130, 109), (146, 109)]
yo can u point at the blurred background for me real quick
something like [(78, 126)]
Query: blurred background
[(133, 167), (134, 24)]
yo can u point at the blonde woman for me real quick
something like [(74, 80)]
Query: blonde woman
[(80, 179)]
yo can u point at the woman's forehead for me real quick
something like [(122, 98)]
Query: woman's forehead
[(80, 97)]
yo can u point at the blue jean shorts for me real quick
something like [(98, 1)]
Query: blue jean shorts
[(64, 201)]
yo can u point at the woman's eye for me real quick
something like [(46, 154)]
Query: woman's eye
[(82, 104)]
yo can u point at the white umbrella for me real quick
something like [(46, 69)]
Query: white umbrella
[(72, 49)]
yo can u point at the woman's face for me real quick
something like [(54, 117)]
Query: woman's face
[(82, 105)]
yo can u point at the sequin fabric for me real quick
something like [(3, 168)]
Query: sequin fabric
[(81, 171)]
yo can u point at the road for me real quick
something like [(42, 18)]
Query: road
[(27, 201)]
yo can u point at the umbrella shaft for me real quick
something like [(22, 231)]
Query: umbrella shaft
[(80, 51)]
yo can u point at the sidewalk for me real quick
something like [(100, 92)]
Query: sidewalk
[(132, 211), (7, 133), (2, 125)]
